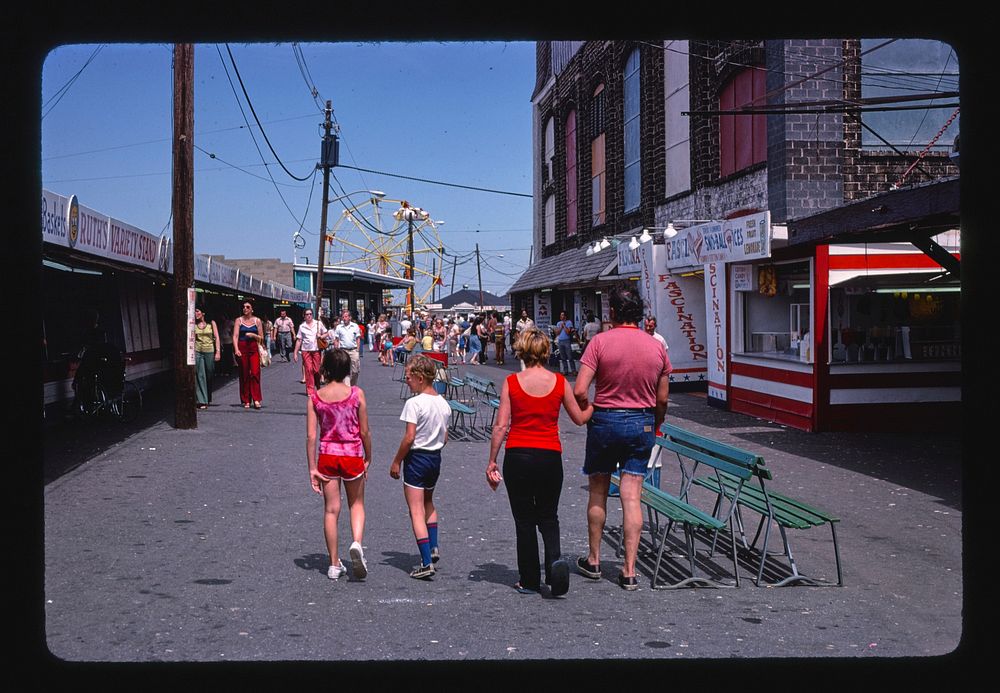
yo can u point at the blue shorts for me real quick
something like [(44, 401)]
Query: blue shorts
[(421, 468), (619, 439)]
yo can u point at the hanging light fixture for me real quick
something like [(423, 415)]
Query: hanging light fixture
[(605, 243), (670, 231), (645, 237), (633, 244), (590, 250)]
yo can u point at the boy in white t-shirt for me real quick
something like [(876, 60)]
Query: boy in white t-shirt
[(426, 415)]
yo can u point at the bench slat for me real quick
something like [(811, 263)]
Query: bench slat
[(792, 506), (786, 514), (756, 503), (673, 507), (459, 407), (728, 452), (678, 510), (707, 458)]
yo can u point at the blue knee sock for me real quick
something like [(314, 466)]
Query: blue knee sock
[(425, 550), (432, 531)]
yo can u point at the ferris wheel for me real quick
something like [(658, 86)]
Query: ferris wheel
[(375, 235)]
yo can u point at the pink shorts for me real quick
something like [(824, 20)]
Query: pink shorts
[(344, 467)]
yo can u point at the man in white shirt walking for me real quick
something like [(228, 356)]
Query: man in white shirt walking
[(651, 331), (347, 336), (284, 332)]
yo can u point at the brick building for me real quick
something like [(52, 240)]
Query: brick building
[(599, 164), (267, 269), (648, 135)]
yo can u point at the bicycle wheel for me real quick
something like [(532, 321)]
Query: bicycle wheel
[(127, 406), (93, 402)]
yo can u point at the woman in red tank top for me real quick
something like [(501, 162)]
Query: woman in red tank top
[(530, 402)]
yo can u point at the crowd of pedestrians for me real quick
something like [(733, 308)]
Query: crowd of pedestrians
[(627, 365)]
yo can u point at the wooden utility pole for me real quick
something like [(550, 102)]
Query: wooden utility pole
[(409, 245), (479, 273), (183, 240), (326, 162)]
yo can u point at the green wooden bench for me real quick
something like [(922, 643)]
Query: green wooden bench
[(774, 508), (487, 395), (679, 509), (459, 428), (455, 383)]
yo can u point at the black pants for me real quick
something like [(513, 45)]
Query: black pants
[(534, 481)]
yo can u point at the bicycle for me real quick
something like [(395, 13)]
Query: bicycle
[(102, 388)]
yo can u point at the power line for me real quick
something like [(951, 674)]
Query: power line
[(63, 90), (436, 182), (300, 60), (164, 139), (924, 118), (254, 112), (243, 170), (878, 73), (250, 131)]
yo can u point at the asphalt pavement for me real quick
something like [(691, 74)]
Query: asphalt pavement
[(206, 545)]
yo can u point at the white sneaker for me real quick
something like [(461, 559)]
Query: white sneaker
[(359, 567), (335, 571)]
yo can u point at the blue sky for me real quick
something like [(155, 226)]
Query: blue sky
[(455, 112)]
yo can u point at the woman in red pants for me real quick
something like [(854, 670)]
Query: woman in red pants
[(306, 344), (248, 334)]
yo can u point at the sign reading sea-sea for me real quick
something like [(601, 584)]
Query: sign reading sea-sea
[(734, 240)]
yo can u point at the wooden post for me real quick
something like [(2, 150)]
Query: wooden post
[(183, 235), (321, 264)]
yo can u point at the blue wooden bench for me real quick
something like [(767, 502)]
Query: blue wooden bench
[(486, 395), (456, 384), (460, 428)]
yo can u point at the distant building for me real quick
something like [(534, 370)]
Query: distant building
[(267, 269), (469, 299)]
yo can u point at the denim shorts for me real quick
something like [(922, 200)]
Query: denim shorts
[(619, 439), (421, 468)]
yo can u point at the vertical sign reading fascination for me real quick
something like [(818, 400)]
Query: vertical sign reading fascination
[(715, 311)]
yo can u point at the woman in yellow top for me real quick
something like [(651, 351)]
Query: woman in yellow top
[(208, 350)]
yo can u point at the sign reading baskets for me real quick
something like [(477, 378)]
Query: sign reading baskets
[(67, 223)]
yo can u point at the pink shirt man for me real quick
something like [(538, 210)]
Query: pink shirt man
[(629, 368)]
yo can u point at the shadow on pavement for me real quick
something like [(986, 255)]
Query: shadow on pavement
[(497, 573), (401, 561), (314, 561)]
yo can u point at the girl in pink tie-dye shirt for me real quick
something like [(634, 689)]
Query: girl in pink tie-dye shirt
[(339, 448)]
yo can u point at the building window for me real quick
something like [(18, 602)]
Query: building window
[(633, 176), (677, 91), (571, 213), (550, 220), (550, 149), (742, 138), (903, 68), (597, 158), (777, 312)]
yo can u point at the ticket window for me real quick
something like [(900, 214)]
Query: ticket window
[(777, 312), (883, 319)]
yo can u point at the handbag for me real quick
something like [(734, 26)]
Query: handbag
[(322, 343), (265, 356)]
